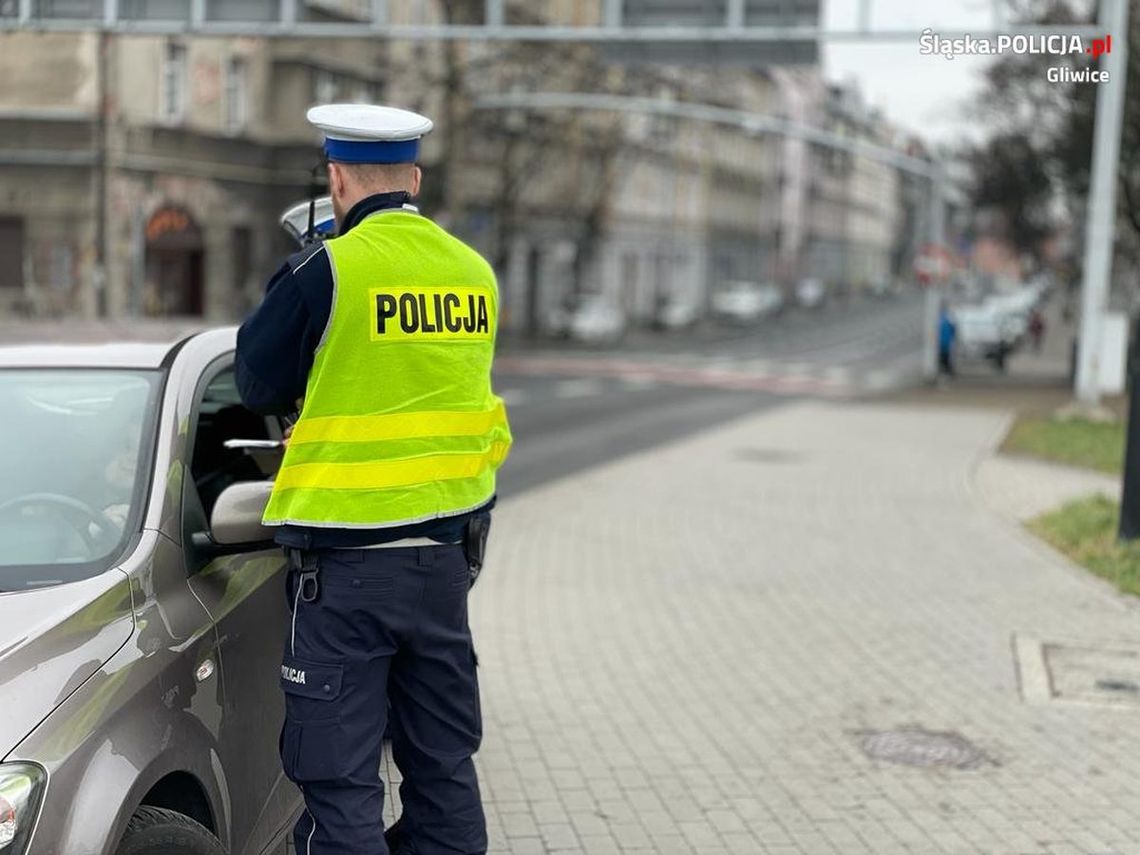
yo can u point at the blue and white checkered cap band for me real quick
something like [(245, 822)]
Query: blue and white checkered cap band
[(373, 151)]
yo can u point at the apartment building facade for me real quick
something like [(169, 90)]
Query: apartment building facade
[(855, 201), (144, 176)]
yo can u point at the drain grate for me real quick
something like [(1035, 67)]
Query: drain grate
[(1117, 686), (1080, 672), (913, 746)]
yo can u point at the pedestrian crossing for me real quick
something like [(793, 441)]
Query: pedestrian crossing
[(523, 379), (585, 387)]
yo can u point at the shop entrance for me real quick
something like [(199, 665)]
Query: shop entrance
[(175, 254)]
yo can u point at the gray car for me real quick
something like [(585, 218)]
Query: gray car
[(143, 610)]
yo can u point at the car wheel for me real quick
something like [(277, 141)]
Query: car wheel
[(156, 831)]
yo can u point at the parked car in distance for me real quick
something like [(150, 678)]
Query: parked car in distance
[(883, 288), (142, 605), (677, 314), (984, 332), (596, 321), (771, 299), (810, 293), (1017, 305), (747, 302)]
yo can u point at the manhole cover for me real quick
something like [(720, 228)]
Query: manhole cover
[(1081, 672), (923, 748)]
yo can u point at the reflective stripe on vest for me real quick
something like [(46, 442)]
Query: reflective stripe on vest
[(392, 473), (397, 426), (399, 422)]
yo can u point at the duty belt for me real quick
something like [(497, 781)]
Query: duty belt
[(474, 543), (403, 542)]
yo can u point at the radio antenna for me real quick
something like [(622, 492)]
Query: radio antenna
[(311, 234)]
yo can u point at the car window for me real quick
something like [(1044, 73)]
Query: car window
[(75, 449), (222, 416)]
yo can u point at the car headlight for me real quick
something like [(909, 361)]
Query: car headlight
[(21, 791)]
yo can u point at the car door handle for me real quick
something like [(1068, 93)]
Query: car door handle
[(205, 670), (253, 444)]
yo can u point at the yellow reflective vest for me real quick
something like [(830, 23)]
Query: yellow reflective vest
[(399, 423)]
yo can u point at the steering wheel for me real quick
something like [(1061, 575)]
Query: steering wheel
[(78, 513)]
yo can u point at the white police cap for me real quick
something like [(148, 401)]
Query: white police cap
[(295, 219), (369, 133)]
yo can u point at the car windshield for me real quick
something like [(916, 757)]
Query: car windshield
[(74, 447)]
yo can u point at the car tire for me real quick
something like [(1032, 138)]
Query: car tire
[(157, 831)]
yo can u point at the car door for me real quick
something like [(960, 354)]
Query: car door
[(245, 595)]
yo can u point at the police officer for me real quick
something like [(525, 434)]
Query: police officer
[(382, 500)]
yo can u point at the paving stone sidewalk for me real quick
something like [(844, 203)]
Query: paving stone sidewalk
[(1023, 488), (682, 650)]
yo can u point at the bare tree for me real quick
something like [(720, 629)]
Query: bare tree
[(1052, 123), (521, 168)]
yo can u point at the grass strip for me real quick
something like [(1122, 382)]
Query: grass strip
[(1085, 530), (1076, 442)]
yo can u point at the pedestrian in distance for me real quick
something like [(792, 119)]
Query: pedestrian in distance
[(1037, 329), (947, 333), (386, 334)]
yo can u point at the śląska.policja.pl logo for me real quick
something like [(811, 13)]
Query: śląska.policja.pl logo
[(931, 43)]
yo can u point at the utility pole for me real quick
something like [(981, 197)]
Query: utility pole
[(1099, 233), (1130, 494), (101, 129), (1098, 260), (933, 300)]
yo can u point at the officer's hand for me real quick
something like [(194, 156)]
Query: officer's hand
[(285, 438)]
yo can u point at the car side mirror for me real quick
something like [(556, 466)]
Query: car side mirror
[(235, 523)]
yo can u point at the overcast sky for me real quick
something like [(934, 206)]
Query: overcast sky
[(926, 94)]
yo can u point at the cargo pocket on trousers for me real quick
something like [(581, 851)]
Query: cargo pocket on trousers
[(310, 739)]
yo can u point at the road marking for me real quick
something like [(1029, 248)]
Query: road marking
[(581, 388), (757, 366), (879, 379), (588, 375), (514, 397), (837, 373), (640, 381)]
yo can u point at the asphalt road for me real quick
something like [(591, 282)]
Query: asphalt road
[(572, 408), (564, 435), (843, 332)]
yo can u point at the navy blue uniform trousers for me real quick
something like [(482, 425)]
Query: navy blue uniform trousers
[(387, 634)]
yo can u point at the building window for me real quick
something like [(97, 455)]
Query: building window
[(11, 252), (173, 94), (364, 92), (236, 102), (326, 87), (74, 9)]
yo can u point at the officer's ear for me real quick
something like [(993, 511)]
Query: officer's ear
[(336, 180), (417, 175)]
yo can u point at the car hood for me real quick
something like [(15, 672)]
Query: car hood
[(51, 641)]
